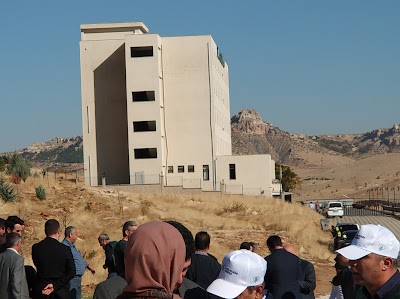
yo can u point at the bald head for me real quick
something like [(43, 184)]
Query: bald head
[(290, 248)]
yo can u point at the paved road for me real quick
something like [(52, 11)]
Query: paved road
[(391, 223)]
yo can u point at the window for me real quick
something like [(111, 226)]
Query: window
[(232, 171), (191, 168), (88, 119), (206, 173), (143, 96), (145, 153), (170, 169), (144, 126), (141, 51), (181, 168)]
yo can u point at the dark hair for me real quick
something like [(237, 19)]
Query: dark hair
[(12, 221), (12, 239), (51, 227), (253, 244), (103, 236), (202, 240), (274, 241), (68, 230), (2, 223), (187, 238), (127, 225), (245, 245)]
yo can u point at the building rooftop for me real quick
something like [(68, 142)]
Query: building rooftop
[(115, 27)]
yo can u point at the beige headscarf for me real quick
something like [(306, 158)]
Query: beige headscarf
[(154, 258)]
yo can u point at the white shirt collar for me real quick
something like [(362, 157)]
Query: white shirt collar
[(13, 250)]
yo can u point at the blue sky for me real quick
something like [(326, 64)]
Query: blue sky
[(310, 67)]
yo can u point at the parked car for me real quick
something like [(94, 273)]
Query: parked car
[(345, 226), (334, 208), (347, 238)]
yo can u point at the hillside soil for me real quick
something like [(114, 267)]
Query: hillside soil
[(230, 220)]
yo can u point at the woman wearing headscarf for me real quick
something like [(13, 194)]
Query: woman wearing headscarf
[(154, 258)]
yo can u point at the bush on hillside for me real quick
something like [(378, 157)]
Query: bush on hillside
[(40, 192), (7, 192), (19, 166)]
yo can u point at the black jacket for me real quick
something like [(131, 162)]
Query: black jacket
[(54, 264), (203, 270), (281, 276)]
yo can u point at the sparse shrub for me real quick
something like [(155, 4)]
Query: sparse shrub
[(7, 192), (89, 255), (378, 177), (145, 206), (88, 206), (234, 207), (40, 192), (36, 175)]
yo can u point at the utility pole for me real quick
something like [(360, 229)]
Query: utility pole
[(280, 179)]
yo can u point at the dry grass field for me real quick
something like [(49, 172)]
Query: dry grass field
[(329, 176), (229, 220)]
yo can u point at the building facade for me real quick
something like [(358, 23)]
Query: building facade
[(155, 108)]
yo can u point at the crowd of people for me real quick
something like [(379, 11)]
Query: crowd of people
[(162, 260)]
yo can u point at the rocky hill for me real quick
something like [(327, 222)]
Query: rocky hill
[(252, 135), (56, 150)]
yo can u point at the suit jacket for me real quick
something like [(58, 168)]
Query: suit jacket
[(54, 264), (203, 270), (13, 283), (281, 276), (307, 279)]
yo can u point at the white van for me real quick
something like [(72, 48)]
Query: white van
[(334, 208)]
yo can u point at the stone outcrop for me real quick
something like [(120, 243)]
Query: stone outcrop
[(251, 135)]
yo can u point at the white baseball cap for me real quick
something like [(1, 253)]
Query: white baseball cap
[(372, 238), (240, 269)]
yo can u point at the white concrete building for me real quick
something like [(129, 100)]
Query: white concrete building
[(158, 107)]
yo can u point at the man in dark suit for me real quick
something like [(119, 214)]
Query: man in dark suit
[(282, 271), (204, 268), (13, 283), (306, 278), (54, 264)]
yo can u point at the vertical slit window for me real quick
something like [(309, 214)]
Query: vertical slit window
[(232, 171), (88, 119), (206, 173)]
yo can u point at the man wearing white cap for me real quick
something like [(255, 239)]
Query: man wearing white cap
[(373, 259), (241, 276)]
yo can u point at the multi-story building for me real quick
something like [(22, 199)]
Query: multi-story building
[(157, 108)]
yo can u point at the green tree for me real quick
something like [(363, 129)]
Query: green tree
[(19, 167), (290, 180)]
